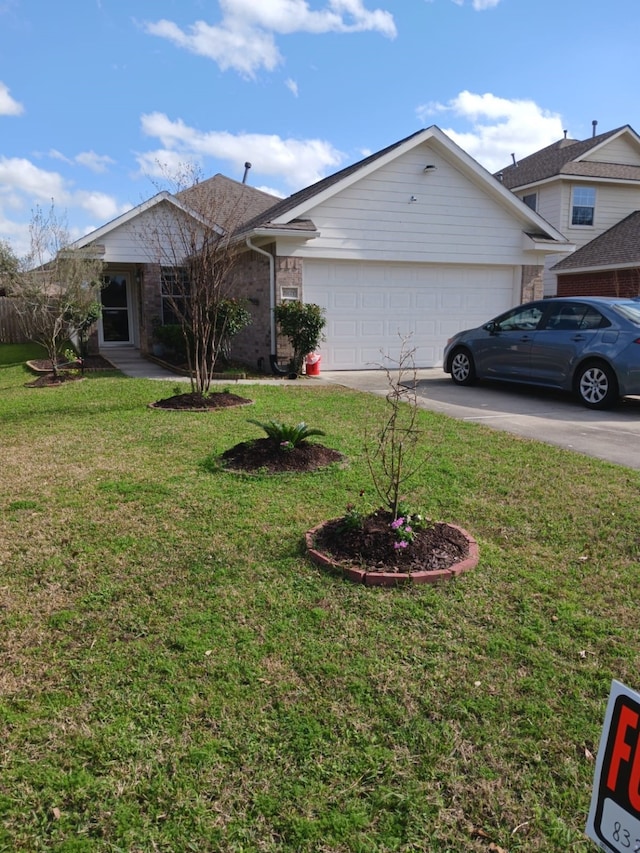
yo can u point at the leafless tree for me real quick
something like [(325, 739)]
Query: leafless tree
[(56, 287), (193, 242)]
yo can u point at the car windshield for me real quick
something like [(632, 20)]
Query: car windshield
[(629, 310)]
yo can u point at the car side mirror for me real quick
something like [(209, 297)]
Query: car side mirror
[(492, 327)]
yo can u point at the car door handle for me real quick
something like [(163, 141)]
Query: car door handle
[(578, 337)]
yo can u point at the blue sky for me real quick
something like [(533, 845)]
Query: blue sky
[(100, 100)]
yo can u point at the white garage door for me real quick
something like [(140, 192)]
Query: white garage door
[(370, 307)]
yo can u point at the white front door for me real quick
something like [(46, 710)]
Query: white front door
[(115, 327)]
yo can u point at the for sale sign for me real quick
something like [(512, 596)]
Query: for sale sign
[(614, 816)]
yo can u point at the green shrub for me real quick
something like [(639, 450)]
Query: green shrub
[(287, 437), (303, 325)]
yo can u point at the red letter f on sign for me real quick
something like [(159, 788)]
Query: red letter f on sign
[(621, 749)]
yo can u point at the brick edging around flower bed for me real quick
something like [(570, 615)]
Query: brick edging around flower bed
[(371, 578)]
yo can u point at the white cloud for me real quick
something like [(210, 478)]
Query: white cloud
[(292, 86), (24, 186), (244, 39), (100, 205), (97, 163), (479, 5), (297, 162), (20, 175), (244, 48), (164, 164), (8, 105), (499, 127)]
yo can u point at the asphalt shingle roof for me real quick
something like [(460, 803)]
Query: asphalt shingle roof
[(229, 203), (560, 159), (619, 246)]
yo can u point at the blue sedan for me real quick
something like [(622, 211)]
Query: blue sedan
[(586, 345)]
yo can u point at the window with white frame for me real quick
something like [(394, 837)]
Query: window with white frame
[(583, 205), (290, 294)]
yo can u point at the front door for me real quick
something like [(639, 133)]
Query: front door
[(116, 316)]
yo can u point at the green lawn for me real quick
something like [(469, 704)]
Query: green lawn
[(175, 675)]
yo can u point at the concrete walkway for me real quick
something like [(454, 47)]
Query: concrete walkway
[(128, 360)]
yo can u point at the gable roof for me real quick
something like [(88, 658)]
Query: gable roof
[(292, 212), (244, 210), (234, 203), (149, 204), (617, 247), (565, 158)]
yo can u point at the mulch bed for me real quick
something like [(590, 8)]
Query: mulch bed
[(262, 454), (68, 373), (192, 402), (91, 362), (49, 380), (436, 547)]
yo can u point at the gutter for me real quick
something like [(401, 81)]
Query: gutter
[(273, 356)]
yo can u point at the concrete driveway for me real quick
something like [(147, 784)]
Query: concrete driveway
[(539, 414)]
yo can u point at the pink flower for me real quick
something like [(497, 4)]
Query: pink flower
[(397, 523), (402, 544)]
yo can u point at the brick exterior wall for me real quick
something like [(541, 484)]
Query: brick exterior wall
[(252, 346), (150, 305), (251, 281), (532, 284), (610, 283)]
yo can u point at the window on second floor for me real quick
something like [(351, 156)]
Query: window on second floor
[(583, 206), (531, 200)]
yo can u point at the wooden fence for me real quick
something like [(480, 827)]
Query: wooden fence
[(10, 328)]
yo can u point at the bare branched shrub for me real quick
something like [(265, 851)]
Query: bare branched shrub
[(56, 288), (392, 451), (192, 241)]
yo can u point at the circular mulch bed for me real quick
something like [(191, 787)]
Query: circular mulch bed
[(192, 402), (91, 362), (50, 380), (367, 554), (262, 454)]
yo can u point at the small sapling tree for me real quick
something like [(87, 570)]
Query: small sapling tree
[(392, 451)]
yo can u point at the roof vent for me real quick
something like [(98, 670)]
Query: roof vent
[(594, 124), (247, 166), (513, 157)]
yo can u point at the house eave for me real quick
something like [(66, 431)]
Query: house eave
[(283, 231), (540, 243), (596, 268)]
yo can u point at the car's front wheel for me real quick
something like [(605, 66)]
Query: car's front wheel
[(463, 371), (597, 386)]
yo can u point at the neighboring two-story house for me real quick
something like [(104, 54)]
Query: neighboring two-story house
[(589, 191)]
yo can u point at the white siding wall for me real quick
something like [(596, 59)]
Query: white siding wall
[(619, 151), (151, 237), (452, 220)]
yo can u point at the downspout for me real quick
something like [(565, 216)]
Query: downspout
[(273, 356)]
